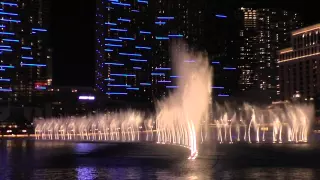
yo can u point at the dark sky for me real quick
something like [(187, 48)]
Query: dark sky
[(72, 32)]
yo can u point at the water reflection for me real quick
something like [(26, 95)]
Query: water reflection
[(86, 173), (21, 159)]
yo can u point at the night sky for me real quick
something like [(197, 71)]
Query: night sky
[(72, 33)]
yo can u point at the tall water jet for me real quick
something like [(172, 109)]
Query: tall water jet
[(188, 106)]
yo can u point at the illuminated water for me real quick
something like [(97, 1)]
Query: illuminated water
[(247, 123), (21, 159), (177, 120)]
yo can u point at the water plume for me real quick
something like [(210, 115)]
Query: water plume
[(179, 118)]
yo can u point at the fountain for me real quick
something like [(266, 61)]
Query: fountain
[(290, 123), (182, 117), (177, 120)]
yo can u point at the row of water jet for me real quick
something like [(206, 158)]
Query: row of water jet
[(180, 116), (122, 126), (289, 123)]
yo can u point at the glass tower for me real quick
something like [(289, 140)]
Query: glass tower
[(24, 51), (132, 46)]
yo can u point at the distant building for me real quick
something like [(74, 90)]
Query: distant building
[(132, 45), (262, 33), (71, 101), (299, 65), (24, 51)]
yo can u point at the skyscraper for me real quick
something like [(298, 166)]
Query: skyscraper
[(24, 50), (132, 45), (263, 32), (123, 49)]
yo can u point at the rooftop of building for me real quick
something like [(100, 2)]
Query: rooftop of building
[(306, 29)]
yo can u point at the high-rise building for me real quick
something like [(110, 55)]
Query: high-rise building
[(132, 45), (263, 32), (299, 65), (123, 49), (24, 50)]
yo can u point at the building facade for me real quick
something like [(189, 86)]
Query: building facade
[(262, 33), (299, 65), (133, 45), (24, 51)]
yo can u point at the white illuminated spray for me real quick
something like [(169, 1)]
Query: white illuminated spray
[(178, 118), (290, 123), (188, 106)]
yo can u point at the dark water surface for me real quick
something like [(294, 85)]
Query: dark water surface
[(28, 159)]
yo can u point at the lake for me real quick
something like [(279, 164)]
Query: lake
[(29, 159)]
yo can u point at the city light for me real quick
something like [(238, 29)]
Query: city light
[(91, 98)]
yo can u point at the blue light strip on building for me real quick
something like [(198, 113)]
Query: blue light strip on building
[(5, 90), (7, 33), (165, 69), (175, 35), (124, 20), (10, 14), (114, 64), (135, 11), (174, 76), (120, 30), (128, 54), (217, 87), (164, 81), (118, 85), (145, 84), (41, 30), (7, 50), (140, 1), (108, 50), (139, 60), (27, 48), (157, 74), (6, 66), (25, 57), (221, 16), (9, 4), (10, 20), (111, 24), (114, 40), (121, 4), (113, 45), (10, 40), (143, 47), (33, 65), (165, 18), (116, 93), (126, 38), (161, 38), (172, 87), (124, 75), (215, 62), (136, 89), (160, 23), (137, 68), (2, 26), (109, 79), (229, 68), (5, 46), (109, 8), (41, 88), (223, 95), (7, 80), (145, 32)]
